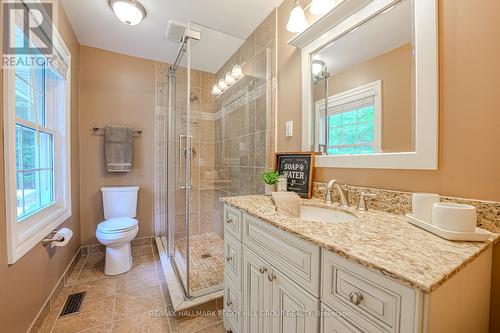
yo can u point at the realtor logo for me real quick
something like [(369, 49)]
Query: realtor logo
[(27, 31)]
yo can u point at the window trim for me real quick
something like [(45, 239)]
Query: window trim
[(372, 89), (22, 237)]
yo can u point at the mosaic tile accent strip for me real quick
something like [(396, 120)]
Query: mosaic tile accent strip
[(399, 202)]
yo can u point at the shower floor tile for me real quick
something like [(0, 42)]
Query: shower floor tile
[(206, 260)]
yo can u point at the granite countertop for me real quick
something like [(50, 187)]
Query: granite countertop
[(377, 240)]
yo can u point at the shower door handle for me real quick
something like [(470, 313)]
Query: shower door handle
[(184, 153)]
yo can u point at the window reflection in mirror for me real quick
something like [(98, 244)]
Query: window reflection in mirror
[(368, 76)]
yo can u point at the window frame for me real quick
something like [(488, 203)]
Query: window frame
[(372, 89), (23, 235)]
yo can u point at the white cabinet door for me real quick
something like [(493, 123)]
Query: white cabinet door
[(297, 309), (256, 293)]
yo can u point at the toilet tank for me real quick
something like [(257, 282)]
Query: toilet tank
[(119, 201)]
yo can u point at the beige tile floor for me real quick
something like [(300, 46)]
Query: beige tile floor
[(204, 271), (136, 301)]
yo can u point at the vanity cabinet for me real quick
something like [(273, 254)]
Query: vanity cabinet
[(276, 282), (269, 300), (273, 302)]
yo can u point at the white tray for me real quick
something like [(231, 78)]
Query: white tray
[(479, 235)]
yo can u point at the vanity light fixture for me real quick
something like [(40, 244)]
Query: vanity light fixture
[(216, 91), (229, 79), (297, 21), (130, 12), (318, 65), (222, 85), (237, 72)]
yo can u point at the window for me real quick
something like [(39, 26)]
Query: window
[(36, 126), (354, 121)]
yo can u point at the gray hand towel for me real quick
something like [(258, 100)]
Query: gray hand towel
[(118, 148)]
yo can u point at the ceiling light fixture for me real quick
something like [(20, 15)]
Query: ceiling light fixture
[(297, 21), (130, 12)]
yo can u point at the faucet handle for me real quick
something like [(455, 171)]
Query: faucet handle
[(362, 200)]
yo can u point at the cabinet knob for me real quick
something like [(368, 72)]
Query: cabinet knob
[(228, 220), (262, 270), (271, 277), (228, 259), (355, 297), (229, 303)]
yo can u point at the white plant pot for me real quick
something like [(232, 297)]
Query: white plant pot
[(269, 189)]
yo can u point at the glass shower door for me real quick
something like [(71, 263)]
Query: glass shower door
[(180, 154)]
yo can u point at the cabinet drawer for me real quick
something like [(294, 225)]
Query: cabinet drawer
[(232, 221), (232, 306), (376, 298), (336, 322), (232, 257), (297, 259)]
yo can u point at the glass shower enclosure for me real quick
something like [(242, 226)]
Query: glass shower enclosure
[(218, 143)]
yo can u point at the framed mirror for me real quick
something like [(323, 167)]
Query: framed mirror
[(370, 86)]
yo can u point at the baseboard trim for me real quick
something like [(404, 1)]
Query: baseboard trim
[(45, 309)]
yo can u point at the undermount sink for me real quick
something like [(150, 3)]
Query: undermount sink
[(325, 215)]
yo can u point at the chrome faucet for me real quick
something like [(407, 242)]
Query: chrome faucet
[(344, 200)]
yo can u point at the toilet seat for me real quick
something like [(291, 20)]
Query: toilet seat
[(117, 225)]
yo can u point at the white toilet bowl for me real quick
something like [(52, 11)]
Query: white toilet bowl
[(119, 227), (116, 234)]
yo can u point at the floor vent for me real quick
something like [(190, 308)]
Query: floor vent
[(73, 304), (206, 255)]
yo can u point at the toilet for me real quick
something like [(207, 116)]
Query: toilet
[(119, 228)]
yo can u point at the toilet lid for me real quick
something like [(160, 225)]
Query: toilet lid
[(119, 224)]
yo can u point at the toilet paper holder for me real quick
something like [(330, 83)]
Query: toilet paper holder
[(50, 239)]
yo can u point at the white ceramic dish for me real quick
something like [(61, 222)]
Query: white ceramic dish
[(454, 217), (422, 205), (479, 235)]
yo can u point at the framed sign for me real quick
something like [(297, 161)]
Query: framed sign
[(298, 169)]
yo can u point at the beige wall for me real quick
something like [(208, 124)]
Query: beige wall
[(469, 162), (469, 43), (115, 89), (26, 285), (394, 68)]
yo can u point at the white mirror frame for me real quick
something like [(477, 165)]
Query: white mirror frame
[(425, 155)]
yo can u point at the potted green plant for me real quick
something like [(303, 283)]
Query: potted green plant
[(270, 178)]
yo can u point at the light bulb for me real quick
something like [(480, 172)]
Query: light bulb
[(320, 7), (129, 12), (216, 91), (237, 72), (297, 21), (222, 85), (229, 79), (317, 65)]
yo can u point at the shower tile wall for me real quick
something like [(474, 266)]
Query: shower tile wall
[(245, 118), (160, 148), (233, 135)]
